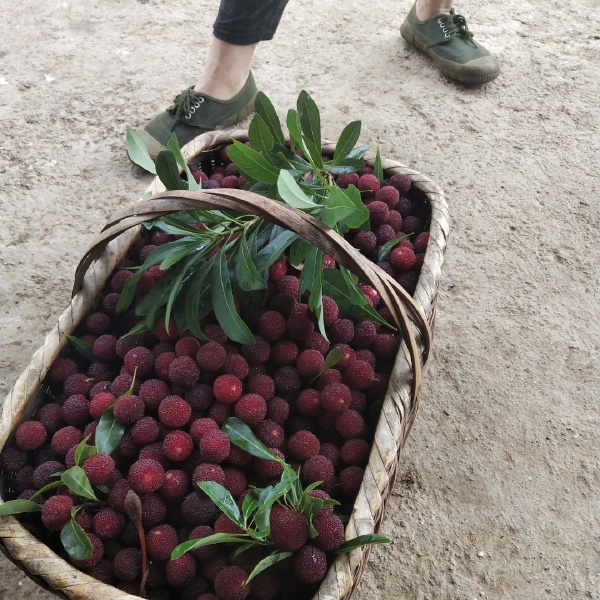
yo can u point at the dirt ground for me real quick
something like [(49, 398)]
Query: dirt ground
[(497, 495)]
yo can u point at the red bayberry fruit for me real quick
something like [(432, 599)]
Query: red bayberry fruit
[(227, 389)]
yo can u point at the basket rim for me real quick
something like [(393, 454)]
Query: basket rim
[(396, 419)]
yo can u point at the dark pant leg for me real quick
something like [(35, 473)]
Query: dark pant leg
[(245, 22)]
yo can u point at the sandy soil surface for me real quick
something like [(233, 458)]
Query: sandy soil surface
[(498, 491)]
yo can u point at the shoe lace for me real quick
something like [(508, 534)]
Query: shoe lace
[(185, 104), (453, 24)]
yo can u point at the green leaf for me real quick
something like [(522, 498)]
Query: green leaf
[(249, 505), (311, 279), (351, 301), (176, 286), (252, 163), (241, 435), (168, 172), (338, 207), (274, 249), (15, 507), (264, 108), (155, 299), (333, 358), (82, 348), (223, 499), (346, 142), (314, 155), (49, 486), (194, 248), (77, 481), (209, 540), (138, 153), (243, 547), (173, 146), (377, 170), (223, 304), (310, 120), (298, 251), (346, 165), (293, 124), (358, 152), (109, 433), (361, 213), (260, 135), (363, 540), (267, 562), (292, 194), (80, 448), (246, 273), (75, 541), (389, 246), (197, 290)]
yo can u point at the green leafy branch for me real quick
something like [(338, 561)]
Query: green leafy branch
[(228, 256), (253, 517)]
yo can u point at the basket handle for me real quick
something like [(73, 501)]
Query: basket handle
[(402, 306)]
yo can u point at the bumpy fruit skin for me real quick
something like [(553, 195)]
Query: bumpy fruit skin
[(129, 409), (227, 389), (177, 445), (76, 410), (350, 479), (108, 524), (310, 564), (127, 564), (161, 541), (146, 475), (99, 468), (368, 185), (289, 529), (211, 356), (317, 468), (30, 435), (402, 258), (355, 452), (229, 584), (388, 194), (184, 371), (174, 412), (271, 325), (269, 469), (176, 485), (56, 512), (61, 369), (270, 434), (139, 360), (330, 529), (335, 397), (310, 363), (303, 444), (181, 571), (251, 408), (401, 182), (64, 439), (214, 446)]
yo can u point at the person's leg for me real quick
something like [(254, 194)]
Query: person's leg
[(430, 8), (433, 27), (225, 90), (239, 27)]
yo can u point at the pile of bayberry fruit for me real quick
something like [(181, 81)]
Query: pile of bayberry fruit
[(310, 399)]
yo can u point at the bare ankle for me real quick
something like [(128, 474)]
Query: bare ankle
[(426, 9)]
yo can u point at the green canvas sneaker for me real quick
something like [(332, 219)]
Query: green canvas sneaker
[(193, 113), (446, 39)]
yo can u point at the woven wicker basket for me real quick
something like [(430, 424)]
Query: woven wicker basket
[(415, 319)]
